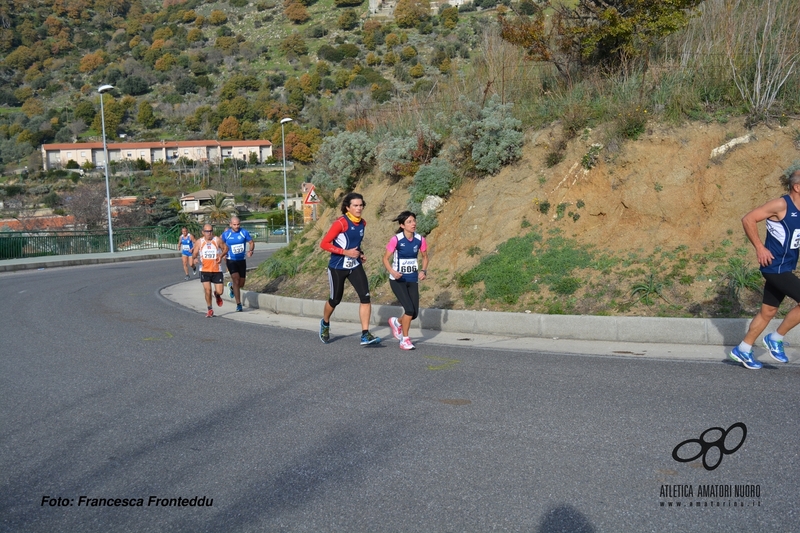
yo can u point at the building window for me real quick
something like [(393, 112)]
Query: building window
[(83, 155), (130, 155)]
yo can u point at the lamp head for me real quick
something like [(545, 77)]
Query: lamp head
[(285, 120), (105, 88)]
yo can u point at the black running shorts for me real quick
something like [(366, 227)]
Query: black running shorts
[(211, 277), (358, 279), (407, 294), (779, 286), (237, 267)]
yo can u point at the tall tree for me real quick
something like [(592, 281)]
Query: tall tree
[(609, 33), (229, 129), (146, 117), (409, 13)]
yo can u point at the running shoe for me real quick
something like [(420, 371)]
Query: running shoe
[(745, 358), (219, 299), (405, 344), (238, 307), (368, 338), (194, 270), (394, 324), (210, 313), (230, 290), (186, 278), (324, 332), (775, 349)]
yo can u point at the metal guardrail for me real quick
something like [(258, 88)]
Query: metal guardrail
[(22, 244)]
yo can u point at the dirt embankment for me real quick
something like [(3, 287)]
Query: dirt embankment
[(661, 191)]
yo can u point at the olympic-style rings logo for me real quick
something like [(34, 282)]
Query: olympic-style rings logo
[(706, 446)]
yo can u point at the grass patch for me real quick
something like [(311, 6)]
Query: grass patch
[(521, 264)]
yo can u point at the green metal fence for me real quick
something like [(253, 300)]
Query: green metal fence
[(21, 244), (17, 245)]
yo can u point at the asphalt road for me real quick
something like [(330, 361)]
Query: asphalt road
[(110, 391)]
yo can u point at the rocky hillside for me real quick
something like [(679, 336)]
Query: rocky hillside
[(659, 214)]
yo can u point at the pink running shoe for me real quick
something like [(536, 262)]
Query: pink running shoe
[(210, 313), (405, 344), (397, 331)]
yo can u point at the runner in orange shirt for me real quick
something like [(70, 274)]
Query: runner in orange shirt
[(210, 250)]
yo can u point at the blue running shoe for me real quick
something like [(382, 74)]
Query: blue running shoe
[(324, 332), (230, 290), (368, 338), (239, 308), (745, 358), (775, 349)]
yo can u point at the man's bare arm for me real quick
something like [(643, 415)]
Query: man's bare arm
[(775, 210)]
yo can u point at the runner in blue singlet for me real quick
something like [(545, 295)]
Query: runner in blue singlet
[(186, 244), (237, 240), (343, 241), (778, 259), (401, 261)]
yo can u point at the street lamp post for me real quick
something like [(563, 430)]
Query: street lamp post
[(285, 191), (101, 90)]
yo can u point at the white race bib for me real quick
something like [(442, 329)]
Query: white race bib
[(236, 249), (407, 266), (350, 262), (795, 240), (186, 247), (209, 253)]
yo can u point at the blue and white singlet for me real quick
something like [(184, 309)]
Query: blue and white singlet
[(404, 257), (186, 244), (237, 243), (783, 240)]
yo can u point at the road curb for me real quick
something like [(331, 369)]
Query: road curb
[(695, 331)]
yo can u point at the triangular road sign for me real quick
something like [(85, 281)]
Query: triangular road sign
[(311, 197)]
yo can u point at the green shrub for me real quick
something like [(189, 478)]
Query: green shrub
[(433, 179), (648, 290), (281, 263), (553, 158), (426, 223), (490, 135), (329, 53), (589, 160), (343, 159), (544, 207), (51, 200), (402, 156), (631, 124), (739, 276)]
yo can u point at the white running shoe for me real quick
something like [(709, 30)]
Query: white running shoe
[(397, 331), (405, 344)]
